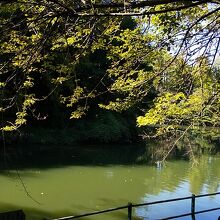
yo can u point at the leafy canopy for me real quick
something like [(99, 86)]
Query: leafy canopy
[(156, 55)]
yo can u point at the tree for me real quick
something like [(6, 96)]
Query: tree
[(171, 53)]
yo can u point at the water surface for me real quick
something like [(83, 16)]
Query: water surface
[(74, 189)]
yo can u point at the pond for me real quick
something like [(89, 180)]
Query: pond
[(78, 187)]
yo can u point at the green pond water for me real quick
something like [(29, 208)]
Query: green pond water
[(79, 187)]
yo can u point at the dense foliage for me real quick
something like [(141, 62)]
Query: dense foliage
[(155, 56)]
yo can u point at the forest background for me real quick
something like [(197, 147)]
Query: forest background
[(108, 71)]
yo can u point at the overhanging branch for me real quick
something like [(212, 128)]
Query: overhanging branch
[(145, 12)]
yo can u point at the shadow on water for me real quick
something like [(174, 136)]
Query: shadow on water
[(51, 156), (21, 157), (37, 214), (111, 215), (31, 213)]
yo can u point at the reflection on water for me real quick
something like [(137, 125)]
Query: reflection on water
[(77, 189)]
